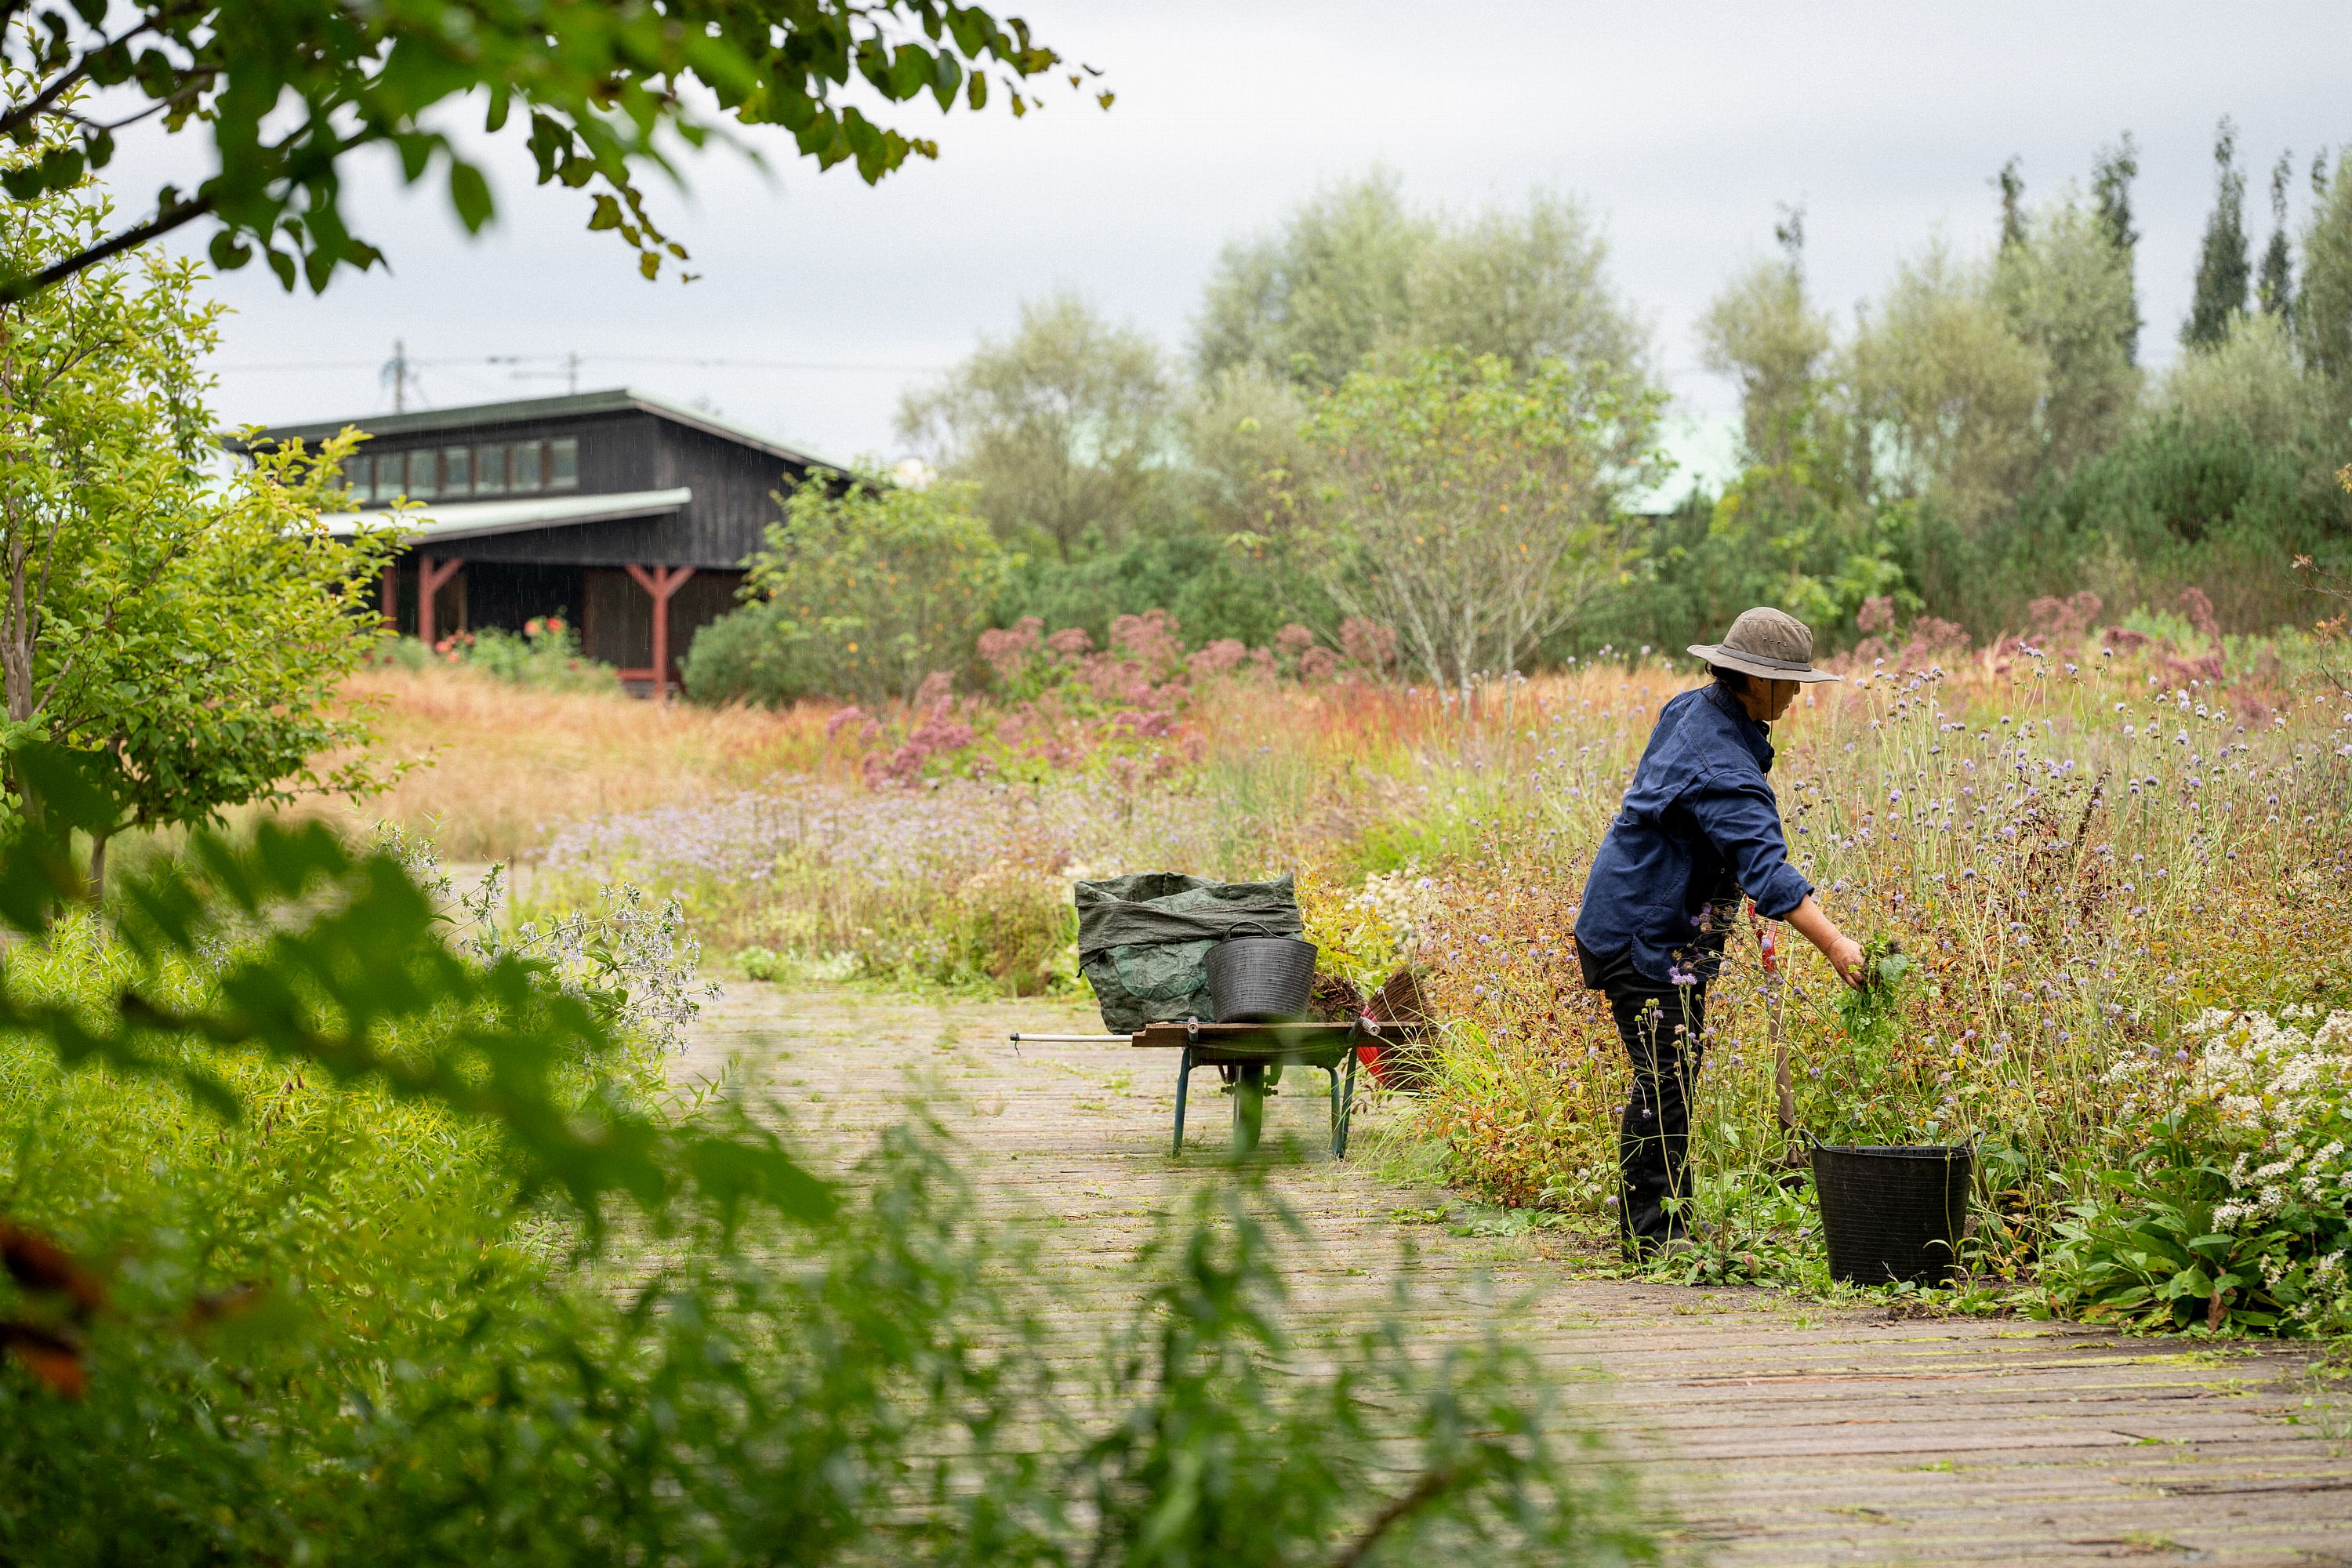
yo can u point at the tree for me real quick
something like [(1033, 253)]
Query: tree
[(2323, 319), (1795, 527), (1356, 273), (1947, 391), (2252, 382), (863, 590), (193, 625), (1527, 286), (1063, 428), (1766, 337), (2275, 284), (2222, 269), (289, 89), (1238, 427), (1310, 298), (2011, 183), (1471, 508), (2111, 181), (2067, 293)]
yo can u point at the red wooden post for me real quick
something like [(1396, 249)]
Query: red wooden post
[(430, 576), (660, 583), (389, 587)]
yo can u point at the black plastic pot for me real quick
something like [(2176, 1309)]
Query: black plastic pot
[(1893, 1213), (1261, 979)]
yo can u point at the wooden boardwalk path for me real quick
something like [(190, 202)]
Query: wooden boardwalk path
[(1783, 1432)]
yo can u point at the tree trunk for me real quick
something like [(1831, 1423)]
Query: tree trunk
[(96, 885)]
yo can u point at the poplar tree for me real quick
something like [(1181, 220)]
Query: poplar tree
[(2223, 271), (2275, 286), (2012, 202), (2111, 181)]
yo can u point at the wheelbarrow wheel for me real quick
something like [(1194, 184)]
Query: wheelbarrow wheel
[(1249, 1107)]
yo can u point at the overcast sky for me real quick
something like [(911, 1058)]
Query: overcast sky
[(1682, 126)]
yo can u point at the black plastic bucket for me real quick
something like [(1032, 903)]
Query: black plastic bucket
[(1893, 1214), (1261, 979)]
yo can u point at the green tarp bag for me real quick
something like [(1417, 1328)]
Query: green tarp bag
[(1144, 940)]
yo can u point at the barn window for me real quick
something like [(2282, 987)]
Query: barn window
[(458, 469), (358, 470), (386, 483), (421, 478), (563, 465), (526, 465)]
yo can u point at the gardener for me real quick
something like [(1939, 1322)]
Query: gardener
[(1699, 827)]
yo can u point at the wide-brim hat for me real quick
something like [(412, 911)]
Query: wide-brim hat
[(1770, 644)]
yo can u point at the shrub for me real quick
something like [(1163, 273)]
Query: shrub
[(1215, 589), (862, 590), (545, 656)]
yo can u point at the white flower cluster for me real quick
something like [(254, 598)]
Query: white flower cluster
[(2278, 1089), (1405, 901)]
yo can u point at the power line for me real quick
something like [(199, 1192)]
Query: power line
[(568, 360)]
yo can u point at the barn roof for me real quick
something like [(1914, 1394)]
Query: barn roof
[(614, 400), (438, 520)]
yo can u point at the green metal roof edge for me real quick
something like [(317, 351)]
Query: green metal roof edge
[(517, 410)]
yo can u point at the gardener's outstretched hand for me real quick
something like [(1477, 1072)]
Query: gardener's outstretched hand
[(1844, 952)]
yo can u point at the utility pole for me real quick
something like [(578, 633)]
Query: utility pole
[(397, 370), (571, 371)]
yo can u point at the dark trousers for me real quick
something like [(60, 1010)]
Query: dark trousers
[(1660, 1027)]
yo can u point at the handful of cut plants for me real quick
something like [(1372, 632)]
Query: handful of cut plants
[(1865, 1088)]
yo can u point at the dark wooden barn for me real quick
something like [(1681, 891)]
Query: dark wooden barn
[(624, 512)]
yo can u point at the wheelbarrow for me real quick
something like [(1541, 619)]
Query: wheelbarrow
[(1251, 1055)]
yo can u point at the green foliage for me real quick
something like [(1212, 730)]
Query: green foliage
[(2112, 173), (1220, 1456), (2067, 293), (598, 92), (1472, 510), (1062, 430), (864, 589), (334, 1328), (2223, 271), (1865, 1088), (1946, 392), (2173, 504), (2236, 1212), (545, 656), (2254, 380), (1354, 271), (197, 625), (2275, 284), (356, 978), (1763, 333), (2146, 1249), (1246, 588), (2323, 311)]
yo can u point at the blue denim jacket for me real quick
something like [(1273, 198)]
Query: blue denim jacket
[(1699, 827)]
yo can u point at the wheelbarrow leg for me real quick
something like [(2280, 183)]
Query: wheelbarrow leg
[(1343, 1103), (1249, 1106), (1184, 1082)]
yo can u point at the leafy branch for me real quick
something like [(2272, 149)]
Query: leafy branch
[(605, 89)]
